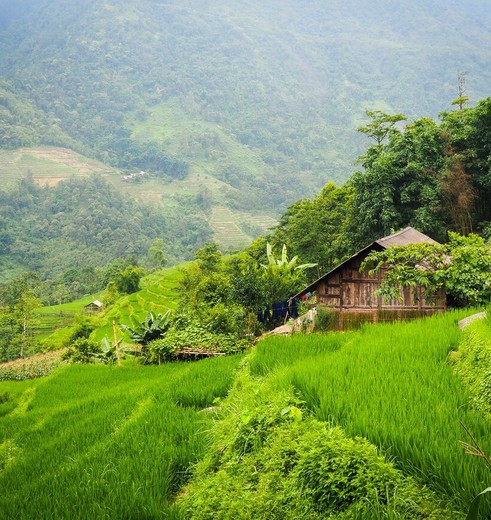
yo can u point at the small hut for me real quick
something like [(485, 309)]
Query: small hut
[(95, 306), (350, 293)]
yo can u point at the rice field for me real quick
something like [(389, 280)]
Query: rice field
[(392, 384), (105, 442)]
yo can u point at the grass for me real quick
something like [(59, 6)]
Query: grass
[(55, 319), (393, 385), (158, 294), (105, 442)]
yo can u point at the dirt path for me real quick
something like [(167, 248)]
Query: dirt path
[(463, 323)]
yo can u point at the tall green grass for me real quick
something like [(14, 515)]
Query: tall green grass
[(392, 384), (105, 442)]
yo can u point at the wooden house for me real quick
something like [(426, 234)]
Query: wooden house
[(95, 306), (351, 292)]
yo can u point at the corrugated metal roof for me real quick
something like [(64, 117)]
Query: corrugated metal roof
[(97, 303)]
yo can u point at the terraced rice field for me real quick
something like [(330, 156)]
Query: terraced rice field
[(48, 165), (158, 294), (232, 230)]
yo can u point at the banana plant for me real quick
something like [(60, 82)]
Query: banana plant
[(282, 277), (283, 262), (152, 327)]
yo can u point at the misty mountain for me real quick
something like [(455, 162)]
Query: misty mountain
[(264, 96)]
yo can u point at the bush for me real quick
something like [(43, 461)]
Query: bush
[(196, 337), (83, 326), (472, 363), (269, 459), (82, 350)]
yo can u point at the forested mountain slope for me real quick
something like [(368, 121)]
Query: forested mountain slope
[(84, 223), (264, 96)]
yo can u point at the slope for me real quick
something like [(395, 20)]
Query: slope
[(263, 96)]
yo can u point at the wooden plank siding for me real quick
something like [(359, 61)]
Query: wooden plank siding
[(351, 293), (348, 289)]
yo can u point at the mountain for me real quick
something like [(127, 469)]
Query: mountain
[(263, 97)]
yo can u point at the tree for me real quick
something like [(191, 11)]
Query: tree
[(209, 257), (382, 125), (156, 255), (18, 302), (401, 184), (317, 229), (462, 267), (127, 281), (462, 98)]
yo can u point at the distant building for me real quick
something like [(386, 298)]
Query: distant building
[(351, 293), (95, 306)]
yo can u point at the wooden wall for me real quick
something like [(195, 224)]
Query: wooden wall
[(349, 290)]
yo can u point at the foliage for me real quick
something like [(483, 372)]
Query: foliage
[(82, 350), (431, 176), (267, 122), (151, 328), (197, 338), (462, 267), (108, 352), (269, 458), (156, 255), (282, 277), (39, 365), (18, 305), (472, 363), (317, 229), (131, 433), (399, 374), (78, 234), (324, 319), (381, 125), (84, 325), (127, 281)]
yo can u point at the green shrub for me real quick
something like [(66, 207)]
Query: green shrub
[(473, 363), (196, 337), (83, 326), (388, 383), (324, 320), (270, 459), (82, 350)]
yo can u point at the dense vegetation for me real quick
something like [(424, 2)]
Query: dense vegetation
[(263, 96), (432, 176), (295, 438), (96, 442), (64, 232), (277, 451)]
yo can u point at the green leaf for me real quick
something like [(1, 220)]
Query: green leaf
[(473, 513)]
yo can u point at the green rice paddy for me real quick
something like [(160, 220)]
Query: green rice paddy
[(105, 442), (393, 385), (121, 442)]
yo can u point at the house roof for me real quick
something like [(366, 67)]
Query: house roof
[(97, 303), (403, 237)]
